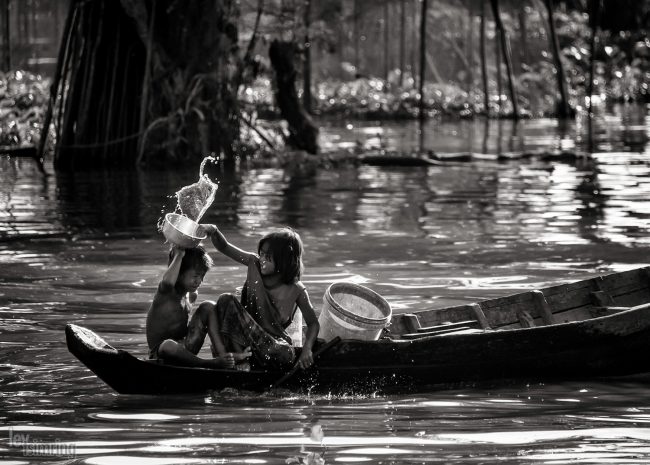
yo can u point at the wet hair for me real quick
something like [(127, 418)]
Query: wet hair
[(285, 246), (196, 259)]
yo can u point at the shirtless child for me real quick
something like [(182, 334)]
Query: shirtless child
[(169, 335)]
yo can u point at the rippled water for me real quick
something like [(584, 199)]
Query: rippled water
[(84, 248)]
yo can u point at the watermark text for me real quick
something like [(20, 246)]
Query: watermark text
[(32, 446)]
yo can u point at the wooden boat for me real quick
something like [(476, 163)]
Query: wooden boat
[(591, 328)]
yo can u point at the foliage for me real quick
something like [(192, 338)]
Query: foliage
[(452, 89), (23, 97), (168, 133), (619, 75)]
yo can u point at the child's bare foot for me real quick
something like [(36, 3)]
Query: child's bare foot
[(223, 361), (244, 355)]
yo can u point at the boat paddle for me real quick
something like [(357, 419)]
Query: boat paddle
[(328, 345)]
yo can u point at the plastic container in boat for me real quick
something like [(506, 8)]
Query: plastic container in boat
[(351, 311)]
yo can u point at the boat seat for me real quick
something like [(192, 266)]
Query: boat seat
[(413, 330), (543, 308), (411, 322), (480, 316), (602, 299)]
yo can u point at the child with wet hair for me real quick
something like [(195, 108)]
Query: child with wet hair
[(172, 336), (270, 298)]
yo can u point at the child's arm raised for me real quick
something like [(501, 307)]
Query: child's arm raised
[(306, 358), (171, 274), (222, 245)]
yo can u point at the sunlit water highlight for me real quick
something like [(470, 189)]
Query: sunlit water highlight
[(84, 248)]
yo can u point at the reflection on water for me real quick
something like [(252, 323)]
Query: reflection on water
[(84, 248), (591, 199), (595, 423), (622, 128)]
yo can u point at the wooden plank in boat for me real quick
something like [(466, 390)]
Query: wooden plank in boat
[(628, 301), (567, 296), (419, 335), (623, 279), (602, 299), (542, 307), (468, 323), (629, 290), (632, 298), (639, 291), (606, 311), (508, 309), (630, 282), (573, 296), (440, 316), (480, 316), (497, 313), (410, 323), (575, 314), (570, 302)]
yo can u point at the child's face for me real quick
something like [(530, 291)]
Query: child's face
[(267, 265), (191, 279)]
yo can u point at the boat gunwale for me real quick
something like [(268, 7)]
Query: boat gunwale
[(587, 285)]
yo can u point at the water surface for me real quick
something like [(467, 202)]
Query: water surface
[(84, 248)]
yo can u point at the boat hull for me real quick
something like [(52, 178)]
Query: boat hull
[(611, 345)]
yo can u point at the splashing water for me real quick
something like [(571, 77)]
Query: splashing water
[(195, 199)]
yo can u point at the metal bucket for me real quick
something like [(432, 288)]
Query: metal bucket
[(182, 231)]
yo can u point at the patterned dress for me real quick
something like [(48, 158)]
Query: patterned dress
[(255, 322)]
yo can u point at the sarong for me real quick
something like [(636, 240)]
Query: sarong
[(255, 322)]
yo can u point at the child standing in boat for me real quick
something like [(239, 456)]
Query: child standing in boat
[(169, 335), (270, 298)]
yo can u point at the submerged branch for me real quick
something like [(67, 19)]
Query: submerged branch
[(258, 131)]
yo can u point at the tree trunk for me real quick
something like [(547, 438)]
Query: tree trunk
[(194, 77), (100, 59), (506, 55), (6, 38), (303, 134), (469, 51), (523, 33), (402, 41), (563, 109), (484, 79), (133, 81), (306, 75), (423, 54), (355, 35), (497, 56), (594, 19), (386, 43), (414, 41), (54, 87)]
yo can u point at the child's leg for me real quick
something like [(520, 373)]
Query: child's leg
[(176, 353), (271, 352), (266, 350), (227, 313), (205, 322)]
